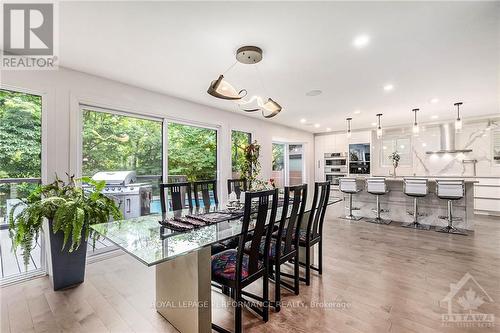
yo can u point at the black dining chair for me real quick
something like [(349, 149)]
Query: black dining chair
[(238, 268), (288, 248), (314, 231), (178, 194), (236, 185), (205, 187)]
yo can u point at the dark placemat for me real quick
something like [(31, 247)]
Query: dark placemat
[(213, 217), (175, 225)]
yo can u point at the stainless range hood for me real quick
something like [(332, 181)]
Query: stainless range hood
[(447, 140)]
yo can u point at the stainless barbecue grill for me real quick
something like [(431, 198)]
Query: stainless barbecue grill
[(134, 199)]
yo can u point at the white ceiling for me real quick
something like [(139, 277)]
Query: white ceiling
[(444, 50)]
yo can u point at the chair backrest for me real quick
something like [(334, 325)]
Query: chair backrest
[(416, 187), (236, 185), (376, 185), (318, 209), (205, 187), (289, 228), (450, 188), (265, 210), (177, 193), (348, 185)]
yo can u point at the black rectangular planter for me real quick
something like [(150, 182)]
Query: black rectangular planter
[(68, 269)]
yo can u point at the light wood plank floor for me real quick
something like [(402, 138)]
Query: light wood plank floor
[(376, 279)]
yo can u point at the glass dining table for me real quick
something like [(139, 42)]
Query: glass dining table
[(182, 259)]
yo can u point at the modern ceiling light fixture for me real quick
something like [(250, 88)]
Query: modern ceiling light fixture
[(348, 133), (248, 55), (458, 121), (379, 128), (416, 128)]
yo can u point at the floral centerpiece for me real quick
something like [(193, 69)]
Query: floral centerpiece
[(395, 157)]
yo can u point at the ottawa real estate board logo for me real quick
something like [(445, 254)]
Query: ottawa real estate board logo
[(28, 36), (468, 304)]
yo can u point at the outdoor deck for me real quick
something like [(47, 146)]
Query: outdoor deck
[(11, 264)]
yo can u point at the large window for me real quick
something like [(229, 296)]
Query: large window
[(20, 171), (400, 144), (117, 142), (239, 141), (113, 142), (192, 153), (278, 154)]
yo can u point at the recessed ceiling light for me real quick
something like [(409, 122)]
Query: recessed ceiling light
[(435, 116), (388, 87), (317, 125), (361, 41), (434, 100), (314, 92), (357, 111), (303, 120), (328, 129), (424, 144), (374, 124)]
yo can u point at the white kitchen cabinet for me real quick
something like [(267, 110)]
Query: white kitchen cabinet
[(360, 137), (341, 143), (487, 196)]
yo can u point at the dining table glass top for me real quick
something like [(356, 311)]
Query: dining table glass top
[(149, 242)]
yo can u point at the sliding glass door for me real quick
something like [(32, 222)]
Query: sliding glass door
[(20, 172), (287, 164)]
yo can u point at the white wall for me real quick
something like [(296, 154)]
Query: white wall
[(64, 89)]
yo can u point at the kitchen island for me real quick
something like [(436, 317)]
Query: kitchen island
[(398, 207)]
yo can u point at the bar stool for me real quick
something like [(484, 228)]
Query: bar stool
[(416, 188), (350, 187), (377, 186), (450, 190)]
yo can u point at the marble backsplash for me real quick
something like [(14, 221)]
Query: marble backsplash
[(476, 136)]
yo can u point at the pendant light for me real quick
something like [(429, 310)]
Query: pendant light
[(379, 128), (415, 129), (348, 133), (222, 89), (458, 121), (248, 55)]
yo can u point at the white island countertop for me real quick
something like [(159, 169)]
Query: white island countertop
[(471, 180)]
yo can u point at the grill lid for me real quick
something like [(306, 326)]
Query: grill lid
[(116, 177)]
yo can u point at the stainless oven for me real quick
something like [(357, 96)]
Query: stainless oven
[(335, 161), (336, 169)]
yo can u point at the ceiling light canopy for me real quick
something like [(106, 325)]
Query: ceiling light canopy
[(248, 55)]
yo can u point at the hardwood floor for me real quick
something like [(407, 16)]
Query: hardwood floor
[(376, 278)]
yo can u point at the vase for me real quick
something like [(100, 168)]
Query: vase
[(394, 166), (68, 269)]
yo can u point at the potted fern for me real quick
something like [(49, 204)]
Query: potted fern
[(70, 210)]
